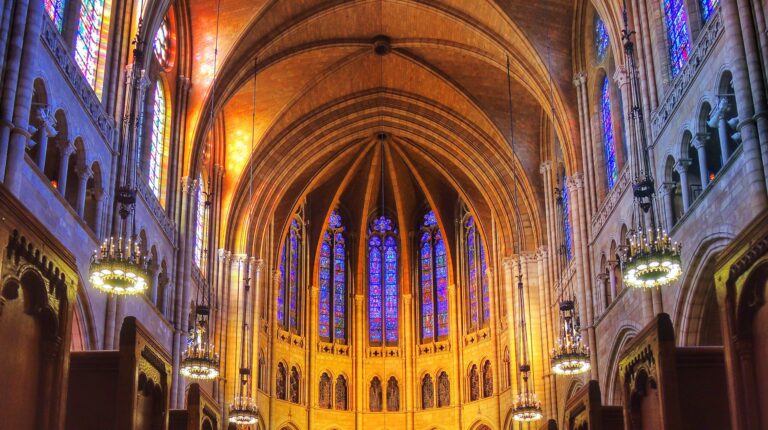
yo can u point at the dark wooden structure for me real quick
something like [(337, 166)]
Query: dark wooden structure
[(201, 412), (585, 411)]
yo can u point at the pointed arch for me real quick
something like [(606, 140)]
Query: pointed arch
[(332, 297), (433, 280), (383, 282)]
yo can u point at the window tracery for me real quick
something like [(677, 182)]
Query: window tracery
[(433, 281), (383, 285), (341, 393), (162, 44), (427, 392), (476, 282), (443, 390), (332, 282), (291, 272), (602, 40), (708, 8), (676, 21), (90, 39), (55, 10), (393, 395), (201, 225), (325, 391), (374, 395), (158, 138), (609, 144)]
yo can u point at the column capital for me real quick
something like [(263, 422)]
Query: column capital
[(575, 182), (83, 171), (612, 264), (224, 255), (46, 121), (681, 166), (579, 78), (66, 147), (186, 184), (700, 140), (723, 107), (667, 188), (621, 76), (602, 277), (509, 262), (541, 252), (545, 167)]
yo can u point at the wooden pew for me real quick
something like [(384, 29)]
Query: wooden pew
[(672, 388), (201, 412), (585, 411), (127, 389)]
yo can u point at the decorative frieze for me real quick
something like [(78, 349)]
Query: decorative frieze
[(434, 347), (333, 348), (52, 40), (610, 202), (383, 351), (707, 39)]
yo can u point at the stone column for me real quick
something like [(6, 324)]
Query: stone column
[(98, 196), (580, 81), (718, 115), (46, 130), (612, 265), (154, 270), (602, 281), (66, 149), (667, 193), (681, 167), (700, 143), (84, 173)]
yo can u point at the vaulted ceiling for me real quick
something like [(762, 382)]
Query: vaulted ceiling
[(440, 93)]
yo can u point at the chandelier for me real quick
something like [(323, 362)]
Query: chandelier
[(118, 266), (650, 258), (571, 356), (526, 407), (199, 360), (243, 411)]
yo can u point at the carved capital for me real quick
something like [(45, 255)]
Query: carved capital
[(84, 172), (667, 188), (579, 79), (186, 183), (509, 262), (681, 166), (700, 141), (621, 76), (575, 182), (545, 167), (66, 148)]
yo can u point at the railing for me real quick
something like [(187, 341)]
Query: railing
[(709, 35), (91, 104)]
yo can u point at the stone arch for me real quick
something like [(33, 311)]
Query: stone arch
[(324, 389), (481, 424), (574, 386), (341, 393), (281, 381), (38, 116), (76, 160), (375, 395), (487, 374), (393, 394), (711, 138), (695, 314), (473, 382), (94, 191), (689, 153), (427, 391), (295, 385), (613, 394), (674, 192), (443, 389), (54, 153)]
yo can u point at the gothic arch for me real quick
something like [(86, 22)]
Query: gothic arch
[(624, 334)]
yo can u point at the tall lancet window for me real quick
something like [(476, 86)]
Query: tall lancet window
[(201, 224), (565, 207), (332, 313), (55, 10), (476, 283), (609, 143), (91, 40), (602, 40), (676, 21), (433, 280), (289, 294), (708, 9), (383, 288), (157, 142)]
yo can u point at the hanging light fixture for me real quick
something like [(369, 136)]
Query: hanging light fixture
[(526, 406), (571, 356), (118, 267), (650, 259), (200, 359), (244, 410)]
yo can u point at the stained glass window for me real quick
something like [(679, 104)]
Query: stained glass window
[(602, 41), (434, 280), (383, 289), (708, 8), (89, 43), (55, 9), (566, 208), (476, 277), (162, 44), (288, 293), (332, 283), (200, 224), (609, 145), (157, 145), (676, 21)]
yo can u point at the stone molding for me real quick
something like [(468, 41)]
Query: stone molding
[(91, 103), (610, 202), (153, 205), (709, 35)]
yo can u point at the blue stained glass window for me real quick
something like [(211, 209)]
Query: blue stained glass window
[(478, 284), (383, 288), (288, 294), (609, 144), (708, 8), (157, 143), (324, 311), (434, 281), (602, 41), (88, 40), (567, 240), (55, 9), (333, 287), (676, 21), (200, 224)]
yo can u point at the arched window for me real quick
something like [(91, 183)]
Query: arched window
[(341, 393), (566, 214), (162, 44), (383, 282), (476, 277), (288, 296), (201, 225), (91, 40), (474, 383), (280, 384), (393, 395), (602, 41), (374, 395), (427, 392), (434, 281), (295, 385), (487, 380), (708, 9), (676, 21), (443, 390), (333, 287), (55, 9), (157, 143), (325, 391), (609, 144)]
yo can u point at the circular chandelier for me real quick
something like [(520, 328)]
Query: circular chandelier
[(651, 260), (118, 267), (243, 411), (571, 356), (199, 361), (527, 406)]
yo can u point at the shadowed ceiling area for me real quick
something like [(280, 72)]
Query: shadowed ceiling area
[(437, 87)]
